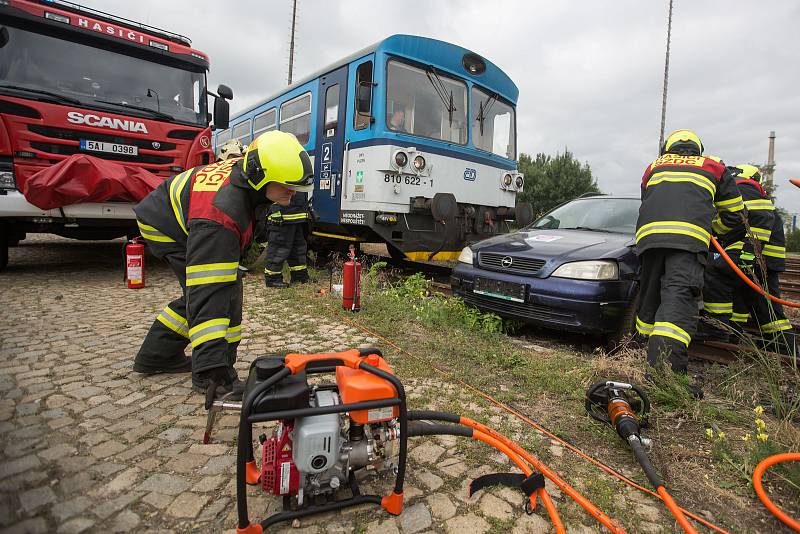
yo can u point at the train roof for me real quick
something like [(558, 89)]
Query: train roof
[(447, 57)]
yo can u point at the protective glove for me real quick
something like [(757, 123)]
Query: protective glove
[(218, 376)]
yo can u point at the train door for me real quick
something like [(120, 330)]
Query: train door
[(330, 145)]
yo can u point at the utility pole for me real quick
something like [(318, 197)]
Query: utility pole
[(666, 79), (291, 42)]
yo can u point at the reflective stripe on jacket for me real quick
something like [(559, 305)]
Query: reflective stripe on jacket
[(680, 197)]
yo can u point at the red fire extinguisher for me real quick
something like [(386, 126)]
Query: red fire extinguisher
[(351, 283), (134, 263)]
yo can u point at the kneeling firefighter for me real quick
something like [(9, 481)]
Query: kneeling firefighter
[(200, 222), (680, 192), (776, 330), (288, 226)]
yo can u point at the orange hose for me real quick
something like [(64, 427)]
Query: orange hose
[(676, 511), (757, 288), (546, 471), (611, 471), (759, 472), (551, 510), (499, 445)]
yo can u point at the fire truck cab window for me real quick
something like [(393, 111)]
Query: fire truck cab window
[(296, 117), (101, 79)]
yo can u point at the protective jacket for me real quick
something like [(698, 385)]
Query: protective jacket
[(775, 250), (760, 213), (295, 213), (207, 213), (680, 195)]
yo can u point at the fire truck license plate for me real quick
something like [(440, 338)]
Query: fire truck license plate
[(114, 148)]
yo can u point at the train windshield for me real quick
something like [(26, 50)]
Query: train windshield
[(492, 124), (426, 103), (82, 75)]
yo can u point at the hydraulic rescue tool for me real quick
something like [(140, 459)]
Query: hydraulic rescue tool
[(626, 408), (329, 436)]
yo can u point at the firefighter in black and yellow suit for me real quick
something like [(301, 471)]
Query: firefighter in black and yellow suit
[(681, 191), (287, 242), (200, 222), (776, 330)]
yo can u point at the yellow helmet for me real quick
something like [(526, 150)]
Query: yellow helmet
[(232, 148), (278, 157), (683, 142), (749, 171)]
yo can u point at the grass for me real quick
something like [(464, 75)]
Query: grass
[(549, 386)]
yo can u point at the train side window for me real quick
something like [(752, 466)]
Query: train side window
[(331, 110), (265, 122), (296, 117), (363, 95), (242, 132), (222, 137)]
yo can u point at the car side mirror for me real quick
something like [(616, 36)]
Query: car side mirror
[(225, 92)]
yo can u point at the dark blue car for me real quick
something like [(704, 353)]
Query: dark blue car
[(573, 269)]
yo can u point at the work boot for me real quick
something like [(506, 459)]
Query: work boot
[(301, 277), (179, 364), (275, 280)]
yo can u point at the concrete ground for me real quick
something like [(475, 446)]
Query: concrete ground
[(86, 445)]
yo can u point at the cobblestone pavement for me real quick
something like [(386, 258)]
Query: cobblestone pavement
[(88, 445)]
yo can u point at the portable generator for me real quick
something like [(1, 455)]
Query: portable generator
[(325, 433)]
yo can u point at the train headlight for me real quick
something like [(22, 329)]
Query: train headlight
[(465, 256), (419, 163), (519, 181), (507, 180), (400, 159)]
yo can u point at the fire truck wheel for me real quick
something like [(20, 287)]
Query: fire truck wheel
[(3, 247)]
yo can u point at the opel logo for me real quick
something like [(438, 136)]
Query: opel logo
[(156, 145), (507, 261)]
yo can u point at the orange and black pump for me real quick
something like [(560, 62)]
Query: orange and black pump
[(626, 408), (367, 360)]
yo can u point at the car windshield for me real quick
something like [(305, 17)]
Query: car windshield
[(617, 215), (46, 67)]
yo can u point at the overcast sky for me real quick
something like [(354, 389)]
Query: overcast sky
[(590, 74)]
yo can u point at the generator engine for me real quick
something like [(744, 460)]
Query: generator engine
[(315, 455)]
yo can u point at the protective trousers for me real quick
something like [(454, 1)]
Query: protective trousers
[(287, 242), (776, 330), (168, 336), (670, 287), (721, 285)]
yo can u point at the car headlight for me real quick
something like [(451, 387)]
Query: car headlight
[(589, 270), (465, 256)]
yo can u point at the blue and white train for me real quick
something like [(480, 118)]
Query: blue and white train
[(414, 145)]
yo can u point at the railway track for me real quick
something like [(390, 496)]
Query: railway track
[(790, 279)]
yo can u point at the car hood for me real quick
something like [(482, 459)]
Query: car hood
[(565, 245)]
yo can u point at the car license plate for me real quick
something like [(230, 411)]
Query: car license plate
[(499, 289), (114, 148)]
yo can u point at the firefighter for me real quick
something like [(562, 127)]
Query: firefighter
[(776, 330), (233, 148), (680, 191), (721, 283), (287, 242), (200, 221)]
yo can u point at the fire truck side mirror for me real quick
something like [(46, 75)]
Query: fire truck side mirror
[(221, 113), (225, 92), (3, 36)]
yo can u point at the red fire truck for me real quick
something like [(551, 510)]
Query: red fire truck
[(75, 80)]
